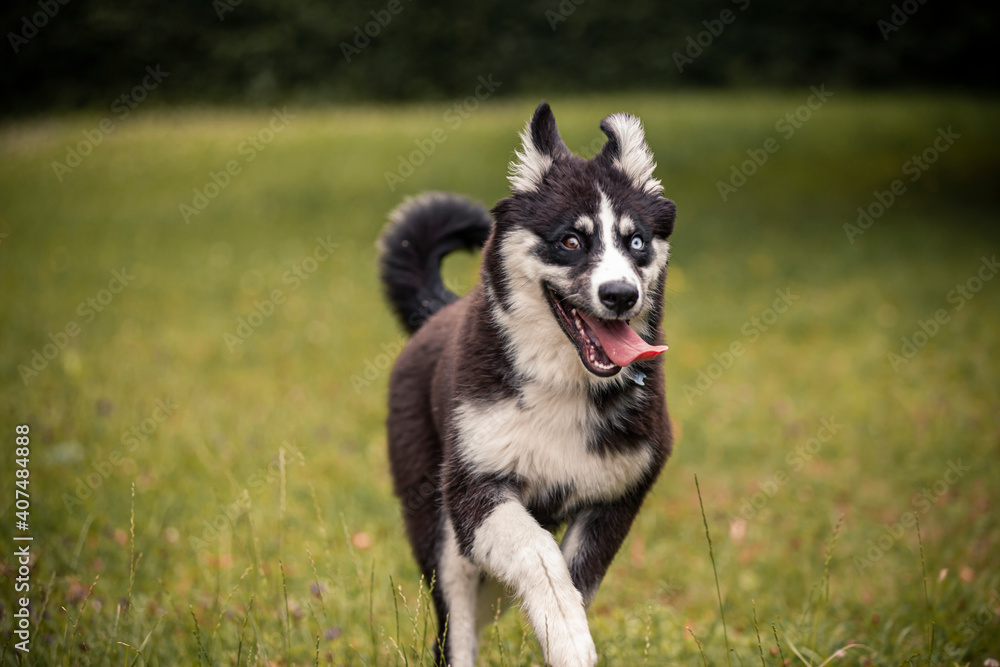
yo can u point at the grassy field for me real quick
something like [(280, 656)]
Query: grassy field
[(206, 391)]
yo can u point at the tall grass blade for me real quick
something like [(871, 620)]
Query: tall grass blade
[(927, 599), (718, 591), (760, 647)]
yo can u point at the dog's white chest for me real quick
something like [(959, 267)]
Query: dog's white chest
[(542, 438)]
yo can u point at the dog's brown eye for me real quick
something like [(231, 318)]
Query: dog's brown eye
[(571, 242)]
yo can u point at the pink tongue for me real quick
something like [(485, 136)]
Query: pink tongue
[(621, 343)]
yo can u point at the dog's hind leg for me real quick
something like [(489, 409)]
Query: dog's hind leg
[(456, 594)]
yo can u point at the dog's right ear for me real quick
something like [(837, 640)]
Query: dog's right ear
[(541, 147), (628, 152)]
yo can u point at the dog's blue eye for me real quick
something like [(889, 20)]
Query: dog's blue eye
[(637, 243)]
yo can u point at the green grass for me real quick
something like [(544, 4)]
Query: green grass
[(280, 442)]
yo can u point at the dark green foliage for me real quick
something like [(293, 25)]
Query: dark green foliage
[(262, 51)]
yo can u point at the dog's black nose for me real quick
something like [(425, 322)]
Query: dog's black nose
[(618, 296)]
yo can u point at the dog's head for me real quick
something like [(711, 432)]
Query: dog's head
[(582, 244)]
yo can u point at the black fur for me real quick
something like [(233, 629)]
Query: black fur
[(427, 229), (605, 528), (545, 134)]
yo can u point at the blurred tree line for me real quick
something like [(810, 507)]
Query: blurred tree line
[(78, 53)]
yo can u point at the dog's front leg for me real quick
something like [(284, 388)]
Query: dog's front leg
[(513, 547), (505, 540), (594, 537)]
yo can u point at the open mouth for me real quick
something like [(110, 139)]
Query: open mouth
[(604, 346)]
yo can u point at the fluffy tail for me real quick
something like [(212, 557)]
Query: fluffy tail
[(421, 231)]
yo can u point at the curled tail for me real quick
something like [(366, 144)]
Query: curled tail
[(421, 231)]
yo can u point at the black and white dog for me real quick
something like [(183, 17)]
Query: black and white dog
[(535, 400)]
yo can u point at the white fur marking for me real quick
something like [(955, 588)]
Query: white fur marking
[(613, 266), (636, 160), (531, 165), (516, 550), (626, 225), (662, 249), (523, 436), (661, 254), (459, 581)]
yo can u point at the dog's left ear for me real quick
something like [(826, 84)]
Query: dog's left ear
[(664, 214), (626, 151), (541, 147)]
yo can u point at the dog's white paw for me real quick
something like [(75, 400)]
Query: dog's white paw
[(567, 644), (579, 652)]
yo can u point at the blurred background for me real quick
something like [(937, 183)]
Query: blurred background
[(193, 331), (251, 51)]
